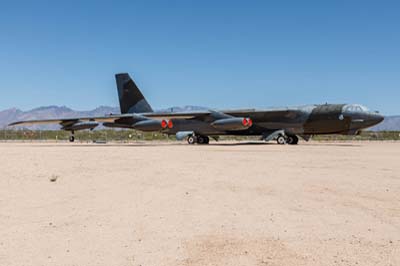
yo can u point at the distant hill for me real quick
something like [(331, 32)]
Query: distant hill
[(391, 123), (187, 108), (50, 112)]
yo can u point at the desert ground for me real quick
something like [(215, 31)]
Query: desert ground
[(236, 204)]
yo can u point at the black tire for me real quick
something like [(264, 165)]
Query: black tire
[(292, 140), (192, 140), (281, 140), (201, 140), (207, 140), (71, 139)]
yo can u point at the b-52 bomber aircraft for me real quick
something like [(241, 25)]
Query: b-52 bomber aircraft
[(285, 125)]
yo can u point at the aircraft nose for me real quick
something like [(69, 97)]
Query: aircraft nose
[(376, 118)]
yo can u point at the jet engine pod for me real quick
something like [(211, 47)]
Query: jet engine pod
[(167, 124), (152, 125), (116, 125), (81, 126), (170, 124), (233, 124)]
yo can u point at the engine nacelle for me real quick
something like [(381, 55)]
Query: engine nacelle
[(116, 125), (81, 126), (233, 124)]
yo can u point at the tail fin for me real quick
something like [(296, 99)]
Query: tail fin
[(131, 100)]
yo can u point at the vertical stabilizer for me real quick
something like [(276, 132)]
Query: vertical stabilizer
[(131, 99)]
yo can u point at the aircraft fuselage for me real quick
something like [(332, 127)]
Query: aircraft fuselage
[(306, 120)]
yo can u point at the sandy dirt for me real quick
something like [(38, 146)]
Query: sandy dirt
[(174, 204)]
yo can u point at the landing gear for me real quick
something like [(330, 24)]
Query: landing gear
[(281, 140), (203, 140), (72, 137), (198, 139), (192, 140), (292, 140)]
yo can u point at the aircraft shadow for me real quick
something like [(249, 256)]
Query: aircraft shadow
[(231, 144), (242, 144)]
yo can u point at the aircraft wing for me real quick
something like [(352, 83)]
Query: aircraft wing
[(68, 121), (178, 115), (254, 113), (110, 118), (273, 117)]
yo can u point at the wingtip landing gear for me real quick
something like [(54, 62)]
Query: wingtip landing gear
[(72, 137)]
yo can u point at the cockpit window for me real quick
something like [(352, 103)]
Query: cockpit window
[(365, 109), (356, 108)]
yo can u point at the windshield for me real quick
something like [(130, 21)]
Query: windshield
[(356, 108)]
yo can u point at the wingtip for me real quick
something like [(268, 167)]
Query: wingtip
[(15, 123)]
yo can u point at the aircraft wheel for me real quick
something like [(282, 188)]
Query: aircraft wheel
[(281, 140), (292, 140), (192, 140), (201, 140), (71, 139)]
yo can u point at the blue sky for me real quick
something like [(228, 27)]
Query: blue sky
[(221, 54)]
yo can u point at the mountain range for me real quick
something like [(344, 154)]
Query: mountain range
[(391, 123)]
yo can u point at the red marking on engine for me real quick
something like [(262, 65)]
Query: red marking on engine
[(245, 122), (249, 122), (170, 124), (164, 124)]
